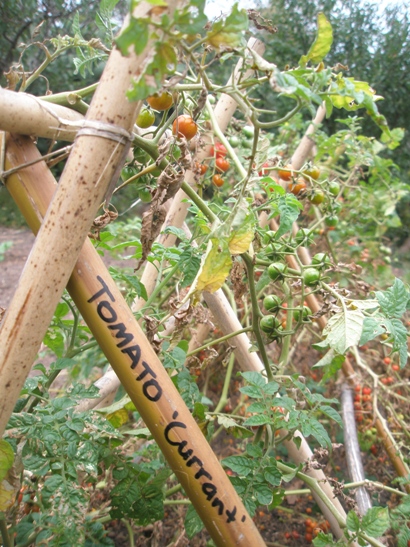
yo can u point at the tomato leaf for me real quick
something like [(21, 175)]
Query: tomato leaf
[(239, 464), (344, 330), (289, 208), (376, 521), (322, 44), (228, 32), (193, 523), (6, 458), (394, 301), (215, 267)]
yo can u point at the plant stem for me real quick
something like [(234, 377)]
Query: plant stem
[(130, 531), (177, 502), (218, 341), (224, 396), (256, 314), (173, 490), (4, 532)]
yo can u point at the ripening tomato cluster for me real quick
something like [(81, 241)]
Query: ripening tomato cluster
[(312, 529), (219, 152), (362, 402)]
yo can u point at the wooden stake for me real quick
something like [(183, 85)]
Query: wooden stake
[(112, 323)]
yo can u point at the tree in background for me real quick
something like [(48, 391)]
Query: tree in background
[(373, 44)]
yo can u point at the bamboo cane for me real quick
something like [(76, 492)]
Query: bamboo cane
[(139, 369), (27, 115), (94, 163)]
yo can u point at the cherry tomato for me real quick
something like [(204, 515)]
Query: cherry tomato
[(248, 131), (185, 126), (367, 390), (222, 164), (265, 168), (396, 368), (321, 259), (145, 118), (311, 276), (298, 187), (311, 173), (317, 197), (387, 360), (331, 221), (160, 102), (145, 195), (285, 173), (276, 270), (272, 302), (218, 150), (269, 324), (218, 180), (234, 141), (201, 167), (334, 188)]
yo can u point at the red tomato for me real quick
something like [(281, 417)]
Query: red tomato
[(387, 360), (218, 150), (218, 180), (222, 164), (185, 126)]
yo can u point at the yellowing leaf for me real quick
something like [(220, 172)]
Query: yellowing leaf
[(118, 418), (215, 267), (7, 495), (6, 458), (322, 44), (240, 240)]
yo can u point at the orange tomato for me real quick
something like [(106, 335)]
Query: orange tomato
[(218, 180), (222, 164), (184, 126), (286, 172), (160, 102)]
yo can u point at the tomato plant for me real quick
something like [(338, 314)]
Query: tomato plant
[(252, 333)]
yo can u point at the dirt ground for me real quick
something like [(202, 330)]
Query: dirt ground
[(13, 261)]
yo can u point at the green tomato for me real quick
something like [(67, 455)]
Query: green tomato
[(334, 188), (211, 99), (305, 313), (145, 118), (316, 197), (336, 208), (272, 302), (145, 195), (276, 270), (273, 251), (311, 276), (269, 324), (248, 131), (331, 221), (234, 141), (140, 155), (321, 259), (128, 172), (269, 236), (304, 237), (247, 143)]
